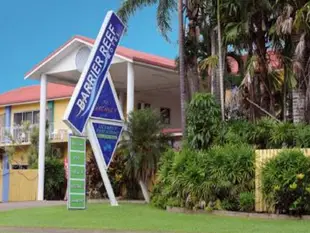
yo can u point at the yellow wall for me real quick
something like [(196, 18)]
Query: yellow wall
[(23, 185), (23, 108), (59, 110), (1, 110), (20, 155)]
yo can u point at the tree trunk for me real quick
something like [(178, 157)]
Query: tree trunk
[(284, 100), (145, 191), (215, 87), (298, 105), (221, 73), (182, 68)]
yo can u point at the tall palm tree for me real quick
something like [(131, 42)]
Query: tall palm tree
[(221, 72), (181, 65)]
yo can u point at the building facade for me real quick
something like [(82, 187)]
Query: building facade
[(141, 81)]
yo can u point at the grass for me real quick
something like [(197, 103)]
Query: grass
[(145, 218)]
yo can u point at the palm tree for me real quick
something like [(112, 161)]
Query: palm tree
[(164, 11), (181, 65), (220, 57), (142, 145)]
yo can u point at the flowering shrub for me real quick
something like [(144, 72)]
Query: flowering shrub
[(286, 183)]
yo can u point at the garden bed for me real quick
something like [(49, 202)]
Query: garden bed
[(235, 213)]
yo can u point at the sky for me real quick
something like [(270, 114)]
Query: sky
[(30, 30)]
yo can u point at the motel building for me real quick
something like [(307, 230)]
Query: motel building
[(141, 81)]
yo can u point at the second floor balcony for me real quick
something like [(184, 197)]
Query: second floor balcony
[(22, 134)]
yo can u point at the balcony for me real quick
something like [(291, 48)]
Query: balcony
[(21, 135)]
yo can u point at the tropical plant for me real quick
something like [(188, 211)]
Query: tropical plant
[(142, 144), (193, 179), (247, 201), (123, 186), (54, 180), (203, 120), (286, 183)]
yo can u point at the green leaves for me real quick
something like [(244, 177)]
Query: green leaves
[(164, 11), (203, 120), (143, 143), (193, 177), (285, 180)]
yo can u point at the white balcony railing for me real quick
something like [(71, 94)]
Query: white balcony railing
[(22, 134)]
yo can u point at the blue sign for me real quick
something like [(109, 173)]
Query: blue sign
[(106, 107), (86, 92), (107, 136)]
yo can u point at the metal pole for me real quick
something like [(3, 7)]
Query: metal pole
[(42, 135)]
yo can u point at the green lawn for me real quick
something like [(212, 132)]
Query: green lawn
[(143, 217)]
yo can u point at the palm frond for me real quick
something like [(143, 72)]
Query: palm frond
[(208, 63), (164, 11), (129, 7)]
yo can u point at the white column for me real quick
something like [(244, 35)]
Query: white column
[(130, 88), (121, 98), (42, 142)]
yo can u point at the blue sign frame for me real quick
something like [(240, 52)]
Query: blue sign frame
[(107, 106), (95, 71)]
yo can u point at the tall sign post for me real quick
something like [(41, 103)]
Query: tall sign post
[(94, 102)]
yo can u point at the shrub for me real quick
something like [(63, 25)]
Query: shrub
[(192, 178), (235, 131), (282, 135), (230, 204), (162, 190), (302, 135), (247, 201), (262, 131), (230, 171), (286, 182), (203, 119), (142, 145), (54, 184), (122, 184)]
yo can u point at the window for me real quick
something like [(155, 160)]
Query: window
[(165, 115), (143, 105), (18, 118), (32, 116), (36, 115), (28, 116)]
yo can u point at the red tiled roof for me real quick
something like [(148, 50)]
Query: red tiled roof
[(122, 51), (32, 94), (138, 56)]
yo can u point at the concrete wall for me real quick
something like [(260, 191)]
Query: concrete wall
[(163, 100)]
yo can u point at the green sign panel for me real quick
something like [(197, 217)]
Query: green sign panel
[(77, 172)]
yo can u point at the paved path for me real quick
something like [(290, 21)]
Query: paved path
[(53, 230), (29, 204)]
